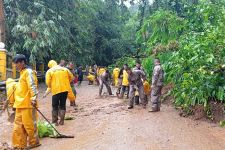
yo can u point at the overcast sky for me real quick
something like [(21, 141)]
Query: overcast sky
[(128, 2)]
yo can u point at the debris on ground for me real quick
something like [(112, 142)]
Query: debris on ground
[(45, 129), (69, 118), (5, 146)]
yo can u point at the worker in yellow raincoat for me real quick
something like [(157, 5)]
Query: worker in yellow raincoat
[(91, 75), (25, 99), (125, 82), (116, 72), (58, 80)]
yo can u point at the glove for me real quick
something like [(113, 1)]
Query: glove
[(34, 103)]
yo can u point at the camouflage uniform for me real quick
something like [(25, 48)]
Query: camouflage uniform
[(157, 84), (104, 80), (135, 80)]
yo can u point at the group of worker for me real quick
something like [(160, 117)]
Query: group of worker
[(133, 81), (23, 95)]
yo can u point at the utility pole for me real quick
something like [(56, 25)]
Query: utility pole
[(2, 22)]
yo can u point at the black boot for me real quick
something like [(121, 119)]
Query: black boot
[(62, 116), (55, 117), (136, 99), (154, 108)]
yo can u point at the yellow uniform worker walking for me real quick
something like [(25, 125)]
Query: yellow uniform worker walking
[(25, 123), (58, 80), (116, 72)]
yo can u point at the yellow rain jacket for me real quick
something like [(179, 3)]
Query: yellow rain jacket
[(116, 72), (10, 88), (101, 71), (54, 77), (25, 123), (147, 88), (26, 89), (125, 81), (91, 77)]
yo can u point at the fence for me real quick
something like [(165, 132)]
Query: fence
[(8, 68)]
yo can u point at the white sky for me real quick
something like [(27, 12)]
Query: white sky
[(128, 2)]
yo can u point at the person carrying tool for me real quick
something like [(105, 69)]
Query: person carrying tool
[(25, 123), (58, 80), (125, 82), (116, 72), (104, 78), (136, 78), (157, 85)]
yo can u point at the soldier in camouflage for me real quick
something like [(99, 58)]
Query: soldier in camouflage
[(135, 79), (104, 80), (157, 84)]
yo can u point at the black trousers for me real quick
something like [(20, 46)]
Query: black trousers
[(59, 101), (123, 90)]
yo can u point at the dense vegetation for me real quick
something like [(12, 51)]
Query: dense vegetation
[(187, 35), (77, 30)]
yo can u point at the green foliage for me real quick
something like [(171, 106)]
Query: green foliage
[(161, 27), (85, 32), (222, 123), (45, 130), (125, 60), (197, 69), (189, 40), (148, 65)]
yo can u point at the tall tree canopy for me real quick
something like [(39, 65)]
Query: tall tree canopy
[(78, 30), (187, 35)]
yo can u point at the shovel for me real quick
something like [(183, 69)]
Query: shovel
[(59, 134)]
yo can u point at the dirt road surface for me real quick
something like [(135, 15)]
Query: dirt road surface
[(106, 124)]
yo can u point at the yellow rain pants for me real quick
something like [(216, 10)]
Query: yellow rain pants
[(25, 128)]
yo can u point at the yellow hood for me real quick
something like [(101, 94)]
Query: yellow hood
[(9, 80), (52, 63)]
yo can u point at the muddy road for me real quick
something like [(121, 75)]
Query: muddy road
[(106, 124)]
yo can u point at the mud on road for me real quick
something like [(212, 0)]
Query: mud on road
[(106, 124)]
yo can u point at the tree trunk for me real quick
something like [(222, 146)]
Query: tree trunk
[(2, 22)]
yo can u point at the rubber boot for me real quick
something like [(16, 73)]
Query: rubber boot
[(154, 108), (136, 100), (62, 116), (72, 103), (55, 117)]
